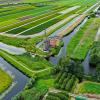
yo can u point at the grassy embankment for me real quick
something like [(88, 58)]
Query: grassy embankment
[(27, 64)]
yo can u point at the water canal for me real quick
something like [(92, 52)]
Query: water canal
[(18, 78), (63, 50)]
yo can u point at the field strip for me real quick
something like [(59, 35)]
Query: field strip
[(54, 26), (81, 10), (23, 66), (91, 7), (8, 90), (71, 26), (12, 49), (97, 35), (82, 38), (22, 21), (38, 25), (23, 36), (86, 41), (16, 61), (42, 32), (25, 10), (69, 10), (30, 22), (42, 70), (39, 12), (30, 18), (32, 14), (16, 13)]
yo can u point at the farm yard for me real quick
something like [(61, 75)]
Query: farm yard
[(49, 49)]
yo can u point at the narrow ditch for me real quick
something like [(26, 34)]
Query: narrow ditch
[(19, 79)]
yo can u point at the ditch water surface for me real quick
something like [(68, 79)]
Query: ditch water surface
[(87, 68), (11, 49), (63, 50), (66, 40), (19, 79)]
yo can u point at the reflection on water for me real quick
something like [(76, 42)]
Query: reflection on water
[(19, 78), (11, 49)]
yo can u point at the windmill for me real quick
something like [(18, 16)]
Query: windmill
[(46, 42)]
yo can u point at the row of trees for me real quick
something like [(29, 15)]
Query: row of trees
[(69, 66), (30, 92), (65, 81), (57, 96), (95, 60)]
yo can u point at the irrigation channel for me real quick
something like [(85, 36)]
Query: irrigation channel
[(19, 80), (63, 51)]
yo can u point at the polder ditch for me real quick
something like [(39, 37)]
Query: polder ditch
[(19, 79), (63, 51)]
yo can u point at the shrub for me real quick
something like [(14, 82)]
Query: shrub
[(62, 78), (69, 85), (58, 76)]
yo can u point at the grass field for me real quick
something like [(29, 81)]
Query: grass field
[(5, 81), (44, 83), (89, 87), (81, 42)]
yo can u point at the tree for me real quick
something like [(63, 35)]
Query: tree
[(73, 67), (97, 73)]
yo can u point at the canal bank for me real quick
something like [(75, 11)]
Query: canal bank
[(19, 79), (63, 51), (66, 39)]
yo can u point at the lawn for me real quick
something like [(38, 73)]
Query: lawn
[(5, 81), (89, 87)]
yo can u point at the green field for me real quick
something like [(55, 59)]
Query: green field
[(89, 87), (81, 42), (21, 20), (5, 81), (33, 66)]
